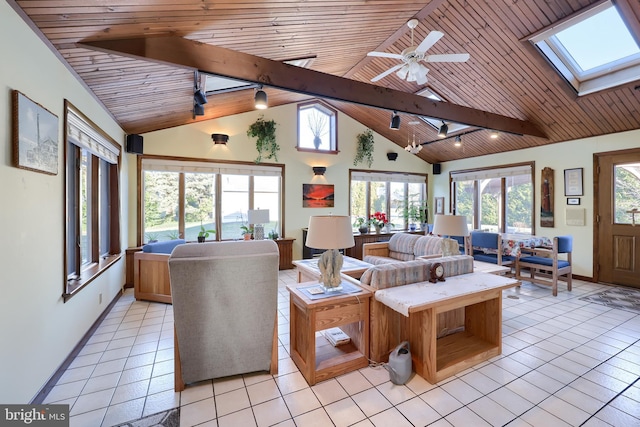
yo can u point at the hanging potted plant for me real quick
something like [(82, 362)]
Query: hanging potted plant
[(364, 151), (265, 133)]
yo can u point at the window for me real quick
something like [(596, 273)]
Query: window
[(317, 124), (386, 192), (593, 50), (627, 192), (495, 199), (181, 196), (92, 229)]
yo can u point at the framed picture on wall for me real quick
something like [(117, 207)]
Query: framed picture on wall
[(317, 195), (573, 182), (35, 136), (439, 206)]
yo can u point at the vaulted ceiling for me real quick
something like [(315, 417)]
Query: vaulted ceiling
[(505, 76)]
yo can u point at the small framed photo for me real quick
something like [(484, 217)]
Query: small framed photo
[(573, 200), (439, 206), (35, 136), (573, 182)]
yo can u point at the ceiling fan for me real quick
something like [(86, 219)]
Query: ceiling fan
[(411, 68)]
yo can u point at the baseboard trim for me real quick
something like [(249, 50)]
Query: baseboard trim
[(53, 380)]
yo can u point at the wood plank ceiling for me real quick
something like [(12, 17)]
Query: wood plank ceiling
[(505, 75)]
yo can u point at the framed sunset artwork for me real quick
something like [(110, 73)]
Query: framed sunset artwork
[(317, 195)]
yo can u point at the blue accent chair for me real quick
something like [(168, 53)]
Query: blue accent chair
[(545, 265), (487, 247)]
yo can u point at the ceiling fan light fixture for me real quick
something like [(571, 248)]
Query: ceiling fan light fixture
[(442, 132), (402, 73), (260, 98), (395, 121)]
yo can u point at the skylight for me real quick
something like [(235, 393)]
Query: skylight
[(593, 51)]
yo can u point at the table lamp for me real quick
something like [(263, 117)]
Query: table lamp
[(257, 217), (452, 225), (332, 233)]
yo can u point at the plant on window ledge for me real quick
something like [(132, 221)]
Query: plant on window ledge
[(265, 133), (364, 151)]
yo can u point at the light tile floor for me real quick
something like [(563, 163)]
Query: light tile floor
[(565, 362)]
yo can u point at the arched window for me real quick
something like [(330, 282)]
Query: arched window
[(317, 125)]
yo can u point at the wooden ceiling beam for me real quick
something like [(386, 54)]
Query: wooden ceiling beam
[(216, 60)]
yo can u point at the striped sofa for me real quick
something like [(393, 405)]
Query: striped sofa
[(408, 247), (387, 327)]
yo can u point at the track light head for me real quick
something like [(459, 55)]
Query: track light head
[(198, 110), (442, 132), (494, 134), (395, 121), (261, 102), (199, 97), (458, 141)]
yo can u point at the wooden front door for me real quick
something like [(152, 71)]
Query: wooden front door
[(617, 247)]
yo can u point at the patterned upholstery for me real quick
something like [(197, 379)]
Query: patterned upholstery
[(398, 274), (402, 246)]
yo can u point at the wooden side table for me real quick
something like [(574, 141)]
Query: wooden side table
[(316, 358), (285, 246)]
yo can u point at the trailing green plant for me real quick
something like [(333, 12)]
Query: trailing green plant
[(364, 151), (265, 133)]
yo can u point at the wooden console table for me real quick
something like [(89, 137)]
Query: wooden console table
[(317, 359), (479, 294)]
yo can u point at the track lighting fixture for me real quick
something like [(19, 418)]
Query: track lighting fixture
[(494, 134), (199, 97), (458, 141), (198, 110), (442, 132), (261, 99), (395, 121)]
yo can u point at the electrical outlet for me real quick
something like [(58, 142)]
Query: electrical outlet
[(100, 298)]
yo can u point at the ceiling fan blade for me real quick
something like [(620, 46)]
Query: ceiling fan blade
[(385, 55), (429, 41), (451, 57), (386, 73)]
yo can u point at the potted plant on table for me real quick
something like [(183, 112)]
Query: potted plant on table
[(379, 220), (361, 224), (247, 232), (204, 233)]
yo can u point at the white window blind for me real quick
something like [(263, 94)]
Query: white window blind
[(391, 177), (491, 173), (165, 165), (84, 135)]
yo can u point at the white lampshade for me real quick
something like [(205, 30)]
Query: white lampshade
[(450, 225), (330, 232), (258, 216)]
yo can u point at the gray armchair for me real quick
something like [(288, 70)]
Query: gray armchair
[(224, 308)]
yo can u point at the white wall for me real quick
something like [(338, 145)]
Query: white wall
[(194, 140), (37, 329), (561, 156)]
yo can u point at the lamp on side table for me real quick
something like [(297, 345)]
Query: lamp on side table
[(332, 233)]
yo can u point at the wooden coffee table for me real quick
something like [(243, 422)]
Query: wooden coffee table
[(311, 352), (308, 268), (479, 294)]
